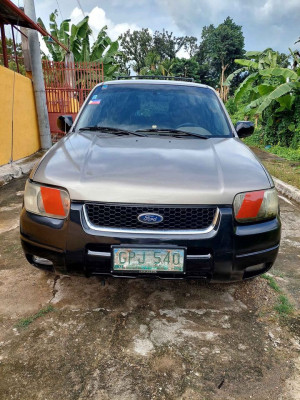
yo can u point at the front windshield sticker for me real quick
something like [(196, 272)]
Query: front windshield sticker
[(94, 97), (104, 86), (95, 102)]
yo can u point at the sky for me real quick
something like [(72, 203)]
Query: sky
[(265, 23)]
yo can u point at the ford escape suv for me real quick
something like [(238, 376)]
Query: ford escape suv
[(151, 180)]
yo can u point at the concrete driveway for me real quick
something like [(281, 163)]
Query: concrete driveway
[(73, 338)]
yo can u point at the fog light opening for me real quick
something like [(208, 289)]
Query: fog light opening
[(42, 261), (256, 267)]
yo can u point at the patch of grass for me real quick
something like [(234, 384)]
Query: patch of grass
[(272, 283), (285, 152), (286, 168), (283, 307), (277, 273), (284, 171), (23, 323), (281, 151)]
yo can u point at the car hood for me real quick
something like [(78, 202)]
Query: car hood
[(156, 170)]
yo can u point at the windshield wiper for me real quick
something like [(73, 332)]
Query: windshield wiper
[(109, 129), (176, 131)]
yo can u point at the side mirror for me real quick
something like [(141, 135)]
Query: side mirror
[(64, 123), (244, 128)]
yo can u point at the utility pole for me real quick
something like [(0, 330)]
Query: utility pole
[(37, 77)]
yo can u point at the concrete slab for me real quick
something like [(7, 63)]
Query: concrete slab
[(16, 169)]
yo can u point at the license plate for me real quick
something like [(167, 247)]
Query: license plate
[(149, 260)]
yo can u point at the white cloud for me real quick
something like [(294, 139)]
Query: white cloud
[(266, 23), (98, 19), (182, 53)]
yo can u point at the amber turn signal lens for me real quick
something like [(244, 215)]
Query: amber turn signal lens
[(52, 201), (255, 206), (251, 205)]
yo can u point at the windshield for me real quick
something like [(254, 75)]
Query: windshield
[(135, 107)]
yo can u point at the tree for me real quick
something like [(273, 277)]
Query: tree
[(152, 62), (136, 46), (167, 45), (187, 68), (219, 48), (11, 55), (77, 40), (166, 67), (191, 45)]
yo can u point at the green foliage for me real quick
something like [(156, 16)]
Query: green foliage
[(166, 45), (11, 56), (77, 39), (247, 63), (234, 74), (166, 67), (287, 153), (275, 95), (282, 73), (272, 282), (244, 86), (152, 63), (283, 306), (219, 48), (189, 68), (138, 45), (256, 139), (236, 113), (25, 322), (271, 92)]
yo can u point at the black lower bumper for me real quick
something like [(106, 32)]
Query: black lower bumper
[(227, 253)]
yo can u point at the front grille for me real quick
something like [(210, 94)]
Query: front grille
[(126, 216)]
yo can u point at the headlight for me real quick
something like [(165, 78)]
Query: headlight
[(255, 206), (46, 201)]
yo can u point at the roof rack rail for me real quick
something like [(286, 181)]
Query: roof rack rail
[(161, 77)]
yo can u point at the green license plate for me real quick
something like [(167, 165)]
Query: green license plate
[(148, 260)]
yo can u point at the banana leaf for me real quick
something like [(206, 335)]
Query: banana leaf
[(244, 86)]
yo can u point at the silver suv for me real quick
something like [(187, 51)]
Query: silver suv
[(151, 180)]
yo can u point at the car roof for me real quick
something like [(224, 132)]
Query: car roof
[(154, 82)]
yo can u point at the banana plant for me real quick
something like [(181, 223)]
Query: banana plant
[(266, 82), (77, 39), (256, 61), (284, 92)]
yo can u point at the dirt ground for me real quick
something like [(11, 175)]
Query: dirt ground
[(145, 339)]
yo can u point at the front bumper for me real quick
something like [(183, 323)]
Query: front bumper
[(229, 252)]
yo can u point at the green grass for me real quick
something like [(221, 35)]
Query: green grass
[(283, 307), (285, 168), (272, 283), (285, 152), (284, 171), (281, 151), (23, 323)]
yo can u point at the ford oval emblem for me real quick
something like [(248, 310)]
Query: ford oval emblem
[(149, 218)]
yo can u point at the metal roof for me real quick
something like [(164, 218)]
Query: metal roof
[(12, 15)]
